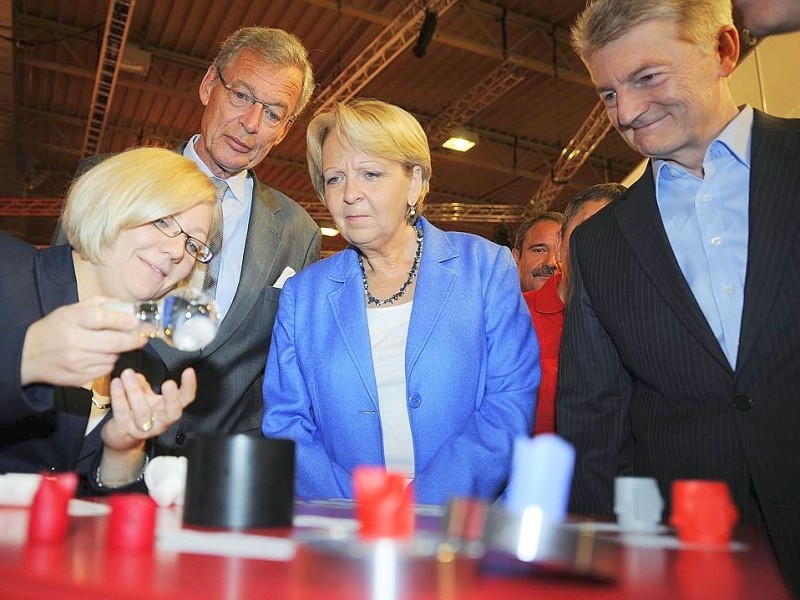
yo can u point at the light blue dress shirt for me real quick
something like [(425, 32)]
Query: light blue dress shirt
[(236, 220), (707, 225)]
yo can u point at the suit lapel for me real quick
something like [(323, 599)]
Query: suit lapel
[(434, 285), (349, 313), (774, 220), (264, 236), (640, 222), (55, 278), (56, 284)]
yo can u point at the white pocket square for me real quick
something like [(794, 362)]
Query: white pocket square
[(287, 272)]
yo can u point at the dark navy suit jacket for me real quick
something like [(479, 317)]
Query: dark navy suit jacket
[(42, 427), (644, 387)]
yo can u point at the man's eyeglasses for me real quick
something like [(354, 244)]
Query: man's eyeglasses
[(271, 115), (194, 247)]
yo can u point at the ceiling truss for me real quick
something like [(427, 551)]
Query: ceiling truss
[(486, 92), (387, 45), (447, 211), (397, 35), (114, 38), (573, 156)]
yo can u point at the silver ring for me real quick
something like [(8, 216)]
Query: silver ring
[(146, 426)]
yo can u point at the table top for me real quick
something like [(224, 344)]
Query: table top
[(83, 567)]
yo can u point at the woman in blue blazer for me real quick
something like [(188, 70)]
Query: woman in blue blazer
[(412, 348)]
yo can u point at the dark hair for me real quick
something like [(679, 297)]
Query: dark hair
[(556, 217), (596, 193)]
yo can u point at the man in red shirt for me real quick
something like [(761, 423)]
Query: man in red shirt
[(547, 304)]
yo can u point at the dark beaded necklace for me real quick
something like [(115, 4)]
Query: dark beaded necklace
[(401, 292)]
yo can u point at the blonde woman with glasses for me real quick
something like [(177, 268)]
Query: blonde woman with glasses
[(137, 226)]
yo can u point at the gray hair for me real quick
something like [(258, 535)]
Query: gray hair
[(603, 21), (276, 47)]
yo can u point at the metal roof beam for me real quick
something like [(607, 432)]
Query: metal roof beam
[(108, 63), (486, 92), (572, 72), (573, 156), (387, 45)]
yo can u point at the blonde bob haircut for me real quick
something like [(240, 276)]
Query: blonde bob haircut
[(127, 190), (373, 127), (603, 21)]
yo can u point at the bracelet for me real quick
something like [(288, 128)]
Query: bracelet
[(106, 486)]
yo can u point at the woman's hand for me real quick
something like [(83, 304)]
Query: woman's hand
[(138, 415), (77, 343)]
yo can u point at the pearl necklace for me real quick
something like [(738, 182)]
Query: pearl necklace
[(401, 292)]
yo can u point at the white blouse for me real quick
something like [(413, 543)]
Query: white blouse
[(388, 332)]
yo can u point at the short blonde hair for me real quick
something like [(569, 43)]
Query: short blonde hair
[(603, 21), (127, 190), (373, 127)]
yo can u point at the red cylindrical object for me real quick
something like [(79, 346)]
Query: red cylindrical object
[(49, 518), (132, 523), (384, 503), (703, 512)]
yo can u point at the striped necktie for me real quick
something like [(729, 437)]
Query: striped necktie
[(215, 244)]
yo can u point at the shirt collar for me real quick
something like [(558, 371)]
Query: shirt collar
[(546, 298), (736, 136), (236, 183)]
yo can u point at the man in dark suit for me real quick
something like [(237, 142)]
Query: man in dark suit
[(681, 349), (257, 85)]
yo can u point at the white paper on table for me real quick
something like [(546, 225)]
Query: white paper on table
[(84, 508), (18, 489), (328, 523), (240, 545)]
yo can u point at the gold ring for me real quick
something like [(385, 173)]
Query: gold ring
[(147, 425)]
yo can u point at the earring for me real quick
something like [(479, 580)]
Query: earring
[(412, 212)]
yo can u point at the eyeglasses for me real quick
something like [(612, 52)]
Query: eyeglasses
[(194, 247), (271, 115)]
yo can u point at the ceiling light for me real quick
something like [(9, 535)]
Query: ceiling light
[(329, 231), (461, 140)]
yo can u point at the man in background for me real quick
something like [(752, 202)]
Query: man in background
[(547, 304), (536, 249)]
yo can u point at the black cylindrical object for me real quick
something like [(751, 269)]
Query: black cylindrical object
[(239, 482)]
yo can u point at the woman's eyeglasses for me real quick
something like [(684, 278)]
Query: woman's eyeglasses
[(194, 247)]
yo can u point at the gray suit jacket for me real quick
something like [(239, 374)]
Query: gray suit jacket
[(644, 387), (230, 369)]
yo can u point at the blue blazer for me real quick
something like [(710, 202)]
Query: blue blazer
[(472, 371)]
